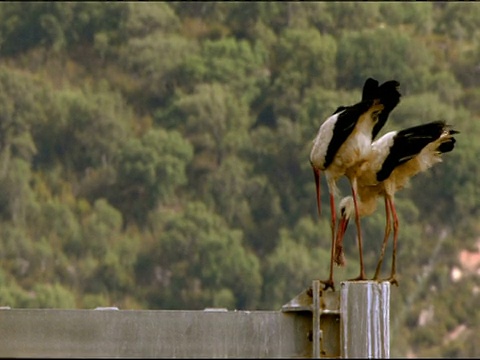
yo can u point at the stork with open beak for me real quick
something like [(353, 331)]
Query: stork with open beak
[(394, 159)]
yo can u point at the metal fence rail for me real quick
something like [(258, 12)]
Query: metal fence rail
[(314, 324), (131, 333)]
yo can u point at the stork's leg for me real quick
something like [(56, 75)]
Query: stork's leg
[(359, 232), (392, 277), (385, 239), (329, 283), (316, 174)]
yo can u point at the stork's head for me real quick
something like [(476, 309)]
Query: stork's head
[(347, 210)]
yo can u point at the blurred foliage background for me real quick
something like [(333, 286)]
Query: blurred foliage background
[(154, 155)]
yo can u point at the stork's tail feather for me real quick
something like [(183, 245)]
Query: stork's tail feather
[(447, 142), (447, 145)]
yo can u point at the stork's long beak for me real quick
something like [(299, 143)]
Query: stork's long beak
[(339, 255)]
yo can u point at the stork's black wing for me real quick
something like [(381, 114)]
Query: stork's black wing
[(370, 89), (390, 97), (387, 94), (369, 92), (346, 121), (348, 117), (408, 143)]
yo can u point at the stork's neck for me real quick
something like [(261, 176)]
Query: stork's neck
[(366, 205)]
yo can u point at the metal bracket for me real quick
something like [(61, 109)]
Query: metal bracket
[(324, 305)]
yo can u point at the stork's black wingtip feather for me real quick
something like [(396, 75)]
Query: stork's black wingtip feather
[(370, 89)]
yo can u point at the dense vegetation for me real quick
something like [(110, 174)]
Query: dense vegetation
[(155, 155)]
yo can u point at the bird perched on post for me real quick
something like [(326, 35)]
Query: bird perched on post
[(394, 158), (344, 140)]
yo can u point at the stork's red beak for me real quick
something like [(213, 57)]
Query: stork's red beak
[(339, 255)]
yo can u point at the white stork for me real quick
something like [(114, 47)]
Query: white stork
[(395, 158), (344, 140)]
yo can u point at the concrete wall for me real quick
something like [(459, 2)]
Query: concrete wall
[(49, 333)]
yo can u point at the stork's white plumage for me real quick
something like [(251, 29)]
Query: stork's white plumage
[(344, 140), (395, 158)]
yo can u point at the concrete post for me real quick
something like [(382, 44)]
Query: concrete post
[(364, 320)]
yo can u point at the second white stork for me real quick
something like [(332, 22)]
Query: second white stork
[(395, 158), (344, 140)]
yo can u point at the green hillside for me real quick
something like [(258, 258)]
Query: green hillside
[(155, 155)]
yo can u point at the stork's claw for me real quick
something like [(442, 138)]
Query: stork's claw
[(359, 278), (392, 280), (328, 284)]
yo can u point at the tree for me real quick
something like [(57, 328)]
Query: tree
[(147, 18), (19, 112), (95, 125), (149, 171), (359, 58), (196, 260), (157, 74), (114, 253), (216, 122), (302, 58), (292, 266), (237, 64), (420, 16), (54, 296), (458, 20), (57, 26), (233, 202)]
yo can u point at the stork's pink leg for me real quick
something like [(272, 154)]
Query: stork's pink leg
[(385, 239), (359, 232), (392, 278), (329, 283)]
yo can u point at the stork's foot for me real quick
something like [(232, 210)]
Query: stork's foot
[(359, 277), (392, 280), (376, 277), (377, 272), (328, 284)]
